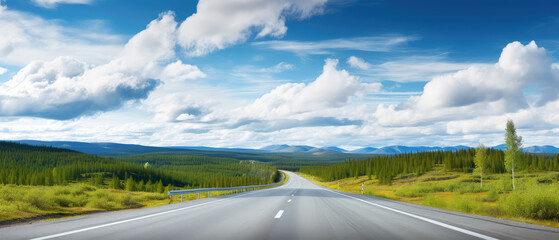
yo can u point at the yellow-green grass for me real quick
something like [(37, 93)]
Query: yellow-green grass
[(535, 199), (43, 202), (20, 202)]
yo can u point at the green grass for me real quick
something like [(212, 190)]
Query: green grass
[(17, 202)]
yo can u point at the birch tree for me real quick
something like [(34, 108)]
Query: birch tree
[(513, 149), (480, 160)]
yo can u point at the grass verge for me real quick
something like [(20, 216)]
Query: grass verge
[(24, 203)]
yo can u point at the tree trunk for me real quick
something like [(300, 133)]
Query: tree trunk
[(513, 174), (481, 180)]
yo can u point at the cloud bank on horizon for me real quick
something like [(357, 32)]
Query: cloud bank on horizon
[(232, 74)]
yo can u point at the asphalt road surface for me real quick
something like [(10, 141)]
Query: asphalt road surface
[(297, 210)]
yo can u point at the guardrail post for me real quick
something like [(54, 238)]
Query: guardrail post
[(208, 194), (198, 195), (217, 193), (181, 197)]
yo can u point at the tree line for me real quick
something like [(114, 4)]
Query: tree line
[(386, 168)]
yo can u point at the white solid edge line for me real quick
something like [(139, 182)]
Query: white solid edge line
[(478, 235), (289, 200), (279, 214), (144, 217)]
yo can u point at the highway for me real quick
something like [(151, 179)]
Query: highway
[(297, 210)]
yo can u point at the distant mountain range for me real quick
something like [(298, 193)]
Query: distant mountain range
[(118, 149), (394, 149), (365, 150)]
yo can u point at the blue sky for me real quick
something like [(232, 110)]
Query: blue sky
[(249, 73)]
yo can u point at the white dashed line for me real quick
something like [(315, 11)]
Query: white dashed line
[(279, 214)]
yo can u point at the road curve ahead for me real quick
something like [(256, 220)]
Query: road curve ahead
[(297, 210)]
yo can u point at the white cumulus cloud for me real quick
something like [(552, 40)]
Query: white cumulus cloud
[(66, 88), (521, 85), (177, 107), (519, 66), (3, 70), (178, 71), (332, 89), (218, 24), (358, 63)]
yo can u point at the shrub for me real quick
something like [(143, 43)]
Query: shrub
[(464, 203), (63, 200), (128, 201), (101, 204), (432, 201), (102, 200), (155, 196), (71, 200), (534, 203), (40, 199), (491, 196), (9, 194)]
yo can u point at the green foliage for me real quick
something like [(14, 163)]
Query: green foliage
[(464, 203), (130, 185), (115, 183), (492, 195), (513, 145), (432, 201), (536, 202), (160, 188), (514, 148), (480, 162)]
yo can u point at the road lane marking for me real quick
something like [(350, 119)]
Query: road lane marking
[(279, 214), (289, 200), (468, 232), (151, 215)]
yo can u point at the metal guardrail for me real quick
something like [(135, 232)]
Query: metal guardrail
[(199, 190)]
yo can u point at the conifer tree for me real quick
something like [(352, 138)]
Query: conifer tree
[(141, 186), (115, 183), (130, 185), (160, 188)]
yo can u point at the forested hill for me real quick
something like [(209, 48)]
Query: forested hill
[(33, 165)]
